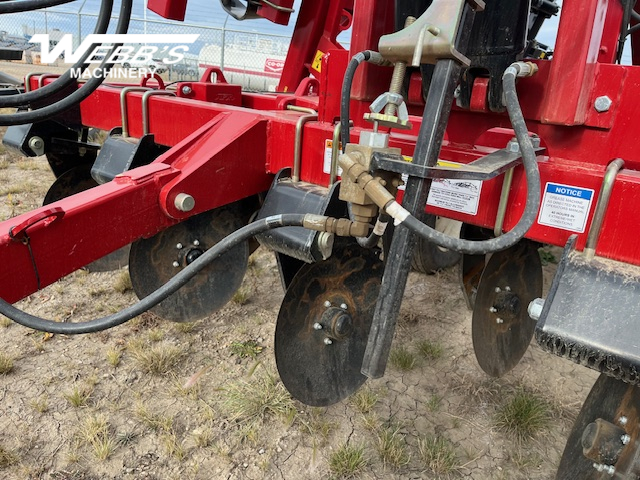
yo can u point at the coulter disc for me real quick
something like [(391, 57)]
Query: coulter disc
[(605, 435), (76, 180), (154, 261), (323, 325), (501, 327)]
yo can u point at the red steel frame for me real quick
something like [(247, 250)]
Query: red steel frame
[(223, 153)]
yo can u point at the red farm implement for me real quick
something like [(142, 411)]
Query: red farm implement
[(447, 109)]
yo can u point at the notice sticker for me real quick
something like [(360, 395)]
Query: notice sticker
[(457, 195), (566, 207), (328, 149)]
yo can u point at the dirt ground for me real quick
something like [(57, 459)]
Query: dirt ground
[(157, 400)]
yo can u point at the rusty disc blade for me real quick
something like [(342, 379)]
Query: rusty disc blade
[(76, 180), (610, 400), (154, 261), (501, 327), (323, 325)]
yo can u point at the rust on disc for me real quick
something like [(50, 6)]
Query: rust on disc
[(323, 325), (501, 327)]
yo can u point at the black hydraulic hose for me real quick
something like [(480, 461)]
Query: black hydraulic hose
[(81, 93), (176, 282), (15, 6), (533, 188), (65, 80), (345, 97), (377, 232)]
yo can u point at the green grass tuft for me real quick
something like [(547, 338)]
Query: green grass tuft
[(402, 359), (348, 461), (524, 415)]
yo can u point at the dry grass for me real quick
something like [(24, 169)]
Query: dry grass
[(251, 401), (114, 356), (364, 400), (40, 405), (155, 421), (156, 359), (524, 415), (438, 455), (95, 432), (402, 359), (78, 396), (348, 461), (123, 283), (5, 322), (6, 363), (430, 350), (7, 457), (391, 446)]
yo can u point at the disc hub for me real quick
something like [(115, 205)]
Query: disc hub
[(337, 323)]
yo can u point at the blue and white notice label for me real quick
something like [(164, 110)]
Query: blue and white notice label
[(566, 207)]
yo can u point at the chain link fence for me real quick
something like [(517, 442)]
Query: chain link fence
[(252, 59)]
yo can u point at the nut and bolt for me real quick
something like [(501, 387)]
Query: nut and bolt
[(328, 341), (176, 264), (600, 467), (535, 308), (622, 421), (602, 104), (493, 309), (327, 304), (179, 246), (317, 326), (196, 243), (497, 290), (343, 306), (397, 78), (625, 439), (499, 321), (186, 90), (507, 288)]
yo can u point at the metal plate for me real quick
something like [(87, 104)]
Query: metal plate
[(609, 400), (501, 327), (154, 261), (315, 372), (76, 180)]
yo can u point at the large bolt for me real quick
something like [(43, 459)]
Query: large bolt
[(625, 439), (37, 145), (327, 304), (184, 202), (397, 79), (535, 308), (602, 104), (343, 306), (622, 420), (179, 246), (186, 90), (176, 264), (328, 341), (317, 326)]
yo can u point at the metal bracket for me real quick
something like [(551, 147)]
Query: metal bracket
[(484, 168), (431, 37)]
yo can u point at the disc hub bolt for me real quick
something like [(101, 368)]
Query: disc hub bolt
[(625, 439), (196, 243), (507, 288), (343, 306), (176, 264), (327, 304), (622, 421), (317, 326), (493, 309), (328, 341), (179, 246), (498, 290), (499, 321)]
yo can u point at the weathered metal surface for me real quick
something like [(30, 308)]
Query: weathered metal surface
[(315, 372), (617, 404), (155, 260), (501, 327)]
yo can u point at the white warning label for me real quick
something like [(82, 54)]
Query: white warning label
[(457, 195), (566, 207), (326, 167)]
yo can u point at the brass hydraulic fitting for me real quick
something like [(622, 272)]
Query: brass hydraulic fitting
[(340, 226)]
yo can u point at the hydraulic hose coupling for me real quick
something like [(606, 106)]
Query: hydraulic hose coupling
[(374, 187), (339, 226), (522, 69)]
